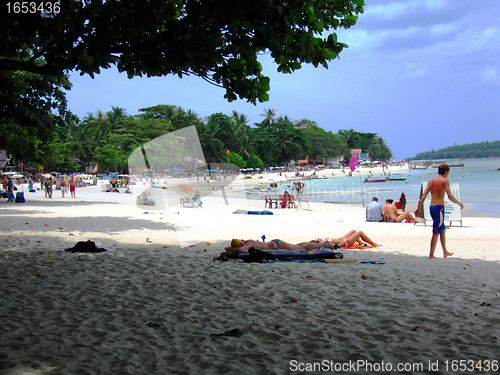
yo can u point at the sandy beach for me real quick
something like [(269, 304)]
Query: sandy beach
[(157, 303)]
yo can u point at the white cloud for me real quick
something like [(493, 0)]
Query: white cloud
[(413, 71), (490, 76)]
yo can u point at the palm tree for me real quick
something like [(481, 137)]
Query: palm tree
[(97, 126), (269, 115), (116, 115), (81, 144), (212, 146), (239, 118)]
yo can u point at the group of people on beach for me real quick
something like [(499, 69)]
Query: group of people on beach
[(351, 238), (437, 187), (389, 212), (47, 184)]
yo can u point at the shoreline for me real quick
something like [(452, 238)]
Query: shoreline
[(196, 225), (476, 209)]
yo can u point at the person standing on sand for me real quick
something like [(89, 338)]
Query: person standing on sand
[(437, 187), (72, 187), (402, 201), (64, 189), (10, 189)]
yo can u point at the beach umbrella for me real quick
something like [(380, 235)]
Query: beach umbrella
[(17, 176)]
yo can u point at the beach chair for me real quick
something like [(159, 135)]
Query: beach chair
[(291, 201), (269, 202), (283, 201)]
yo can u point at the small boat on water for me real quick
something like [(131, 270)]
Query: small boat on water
[(456, 164), (419, 166), (396, 178), (376, 180)]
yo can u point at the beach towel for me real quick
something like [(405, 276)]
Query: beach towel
[(357, 247), (268, 256), (245, 212)]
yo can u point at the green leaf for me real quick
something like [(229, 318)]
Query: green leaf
[(263, 97), (296, 65), (318, 25), (351, 20), (264, 83), (329, 55)]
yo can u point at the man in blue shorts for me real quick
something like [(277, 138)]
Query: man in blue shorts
[(438, 186)]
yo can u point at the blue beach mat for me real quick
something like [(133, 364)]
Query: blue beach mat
[(262, 256), (245, 212)]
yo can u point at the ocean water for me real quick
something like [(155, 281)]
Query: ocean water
[(479, 187)]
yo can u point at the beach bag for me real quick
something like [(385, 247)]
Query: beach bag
[(258, 256), (20, 197), (86, 247)]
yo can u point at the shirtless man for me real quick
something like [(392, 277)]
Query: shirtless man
[(391, 213), (240, 246), (437, 187)]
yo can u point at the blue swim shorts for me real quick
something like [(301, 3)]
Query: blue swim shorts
[(437, 214)]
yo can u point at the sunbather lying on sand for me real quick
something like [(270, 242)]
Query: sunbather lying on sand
[(240, 246), (349, 239)]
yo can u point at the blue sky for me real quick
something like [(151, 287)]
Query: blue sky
[(422, 74)]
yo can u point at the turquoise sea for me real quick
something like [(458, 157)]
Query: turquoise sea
[(478, 179)]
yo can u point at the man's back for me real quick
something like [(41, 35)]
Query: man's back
[(374, 211), (437, 187)]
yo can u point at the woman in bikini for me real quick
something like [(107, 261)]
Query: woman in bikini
[(351, 238), (240, 246)]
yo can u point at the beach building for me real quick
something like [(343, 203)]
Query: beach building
[(4, 160)]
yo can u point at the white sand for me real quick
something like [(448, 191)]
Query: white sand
[(151, 306)]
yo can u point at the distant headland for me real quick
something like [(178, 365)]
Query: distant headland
[(471, 150)]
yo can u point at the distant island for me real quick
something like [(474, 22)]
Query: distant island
[(470, 150)]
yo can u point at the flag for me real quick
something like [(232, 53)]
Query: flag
[(95, 168), (353, 162)]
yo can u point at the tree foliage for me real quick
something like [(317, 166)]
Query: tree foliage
[(108, 138), (30, 107), (368, 142), (217, 40)]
